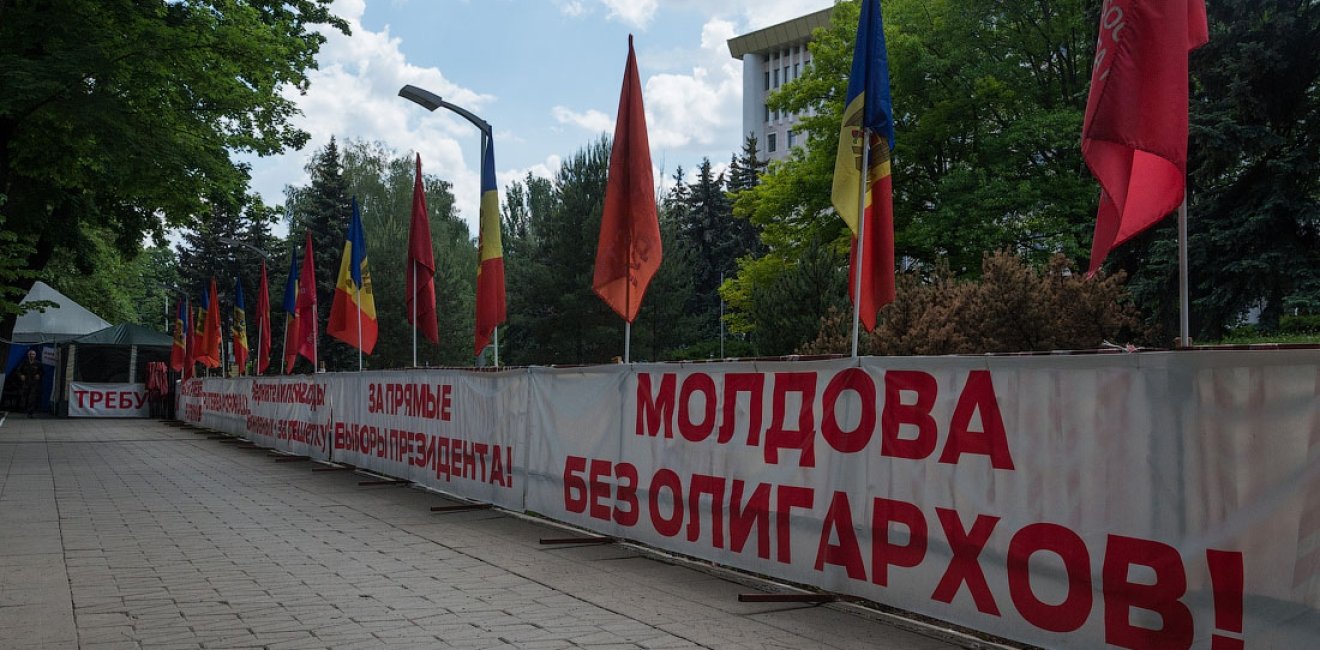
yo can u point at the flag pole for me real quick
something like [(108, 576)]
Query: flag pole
[(413, 263), (496, 331), (1184, 304), (861, 236), (627, 301), (359, 306)]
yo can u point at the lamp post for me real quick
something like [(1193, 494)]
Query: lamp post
[(431, 101)]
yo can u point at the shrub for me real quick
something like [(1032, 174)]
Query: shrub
[(1012, 307)]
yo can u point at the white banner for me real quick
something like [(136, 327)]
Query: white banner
[(108, 400), (1164, 500), (462, 432), (290, 413)]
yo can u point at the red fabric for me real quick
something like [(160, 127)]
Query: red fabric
[(420, 273), (210, 350), (307, 317), (629, 251), (878, 259), (490, 300), (263, 323), (1134, 137)]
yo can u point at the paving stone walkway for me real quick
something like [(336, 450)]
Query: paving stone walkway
[(135, 534)]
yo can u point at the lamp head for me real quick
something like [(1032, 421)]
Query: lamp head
[(427, 99)]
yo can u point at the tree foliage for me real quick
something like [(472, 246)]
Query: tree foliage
[(121, 115)]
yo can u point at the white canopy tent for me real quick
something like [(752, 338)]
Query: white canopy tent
[(66, 320), (61, 320)]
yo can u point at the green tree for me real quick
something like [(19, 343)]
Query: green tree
[(123, 114), (988, 98), (554, 317), (715, 239)]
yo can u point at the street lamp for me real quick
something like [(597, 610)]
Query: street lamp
[(235, 242), (431, 101)]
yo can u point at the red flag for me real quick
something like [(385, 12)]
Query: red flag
[(263, 323), (420, 274), (1134, 137), (307, 317), (628, 254)]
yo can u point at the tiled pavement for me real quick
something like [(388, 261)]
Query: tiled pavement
[(134, 534)]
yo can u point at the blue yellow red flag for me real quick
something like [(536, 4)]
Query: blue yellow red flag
[(868, 122), (291, 313), (490, 270), (238, 329), (179, 352), (353, 312)]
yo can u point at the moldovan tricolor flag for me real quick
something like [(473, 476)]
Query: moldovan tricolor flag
[(1134, 136), (420, 274), (291, 313), (263, 323), (308, 328), (353, 312), (238, 331), (628, 253), (206, 327), (490, 271), (868, 108), (179, 352)]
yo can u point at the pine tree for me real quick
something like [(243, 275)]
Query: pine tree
[(745, 170)]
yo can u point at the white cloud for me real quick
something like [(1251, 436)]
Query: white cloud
[(591, 120), (637, 13), (354, 95), (572, 8)]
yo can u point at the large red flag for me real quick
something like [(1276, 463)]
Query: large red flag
[(263, 323), (628, 254), (307, 317), (1134, 137), (420, 274)]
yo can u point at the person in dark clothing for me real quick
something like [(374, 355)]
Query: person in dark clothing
[(29, 382)]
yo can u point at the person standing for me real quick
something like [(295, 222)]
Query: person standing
[(29, 380)]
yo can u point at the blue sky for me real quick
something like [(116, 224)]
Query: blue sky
[(545, 73)]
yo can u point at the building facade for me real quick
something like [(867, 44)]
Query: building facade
[(771, 58)]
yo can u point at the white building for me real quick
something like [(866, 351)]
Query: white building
[(772, 57)]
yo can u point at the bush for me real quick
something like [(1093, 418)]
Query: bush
[(1304, 324), (1011, 308)]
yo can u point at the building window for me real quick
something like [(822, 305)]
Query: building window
[(792, 138), (767, 112), (767, 80), (797, 70), (770, 142), (776, 77)]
